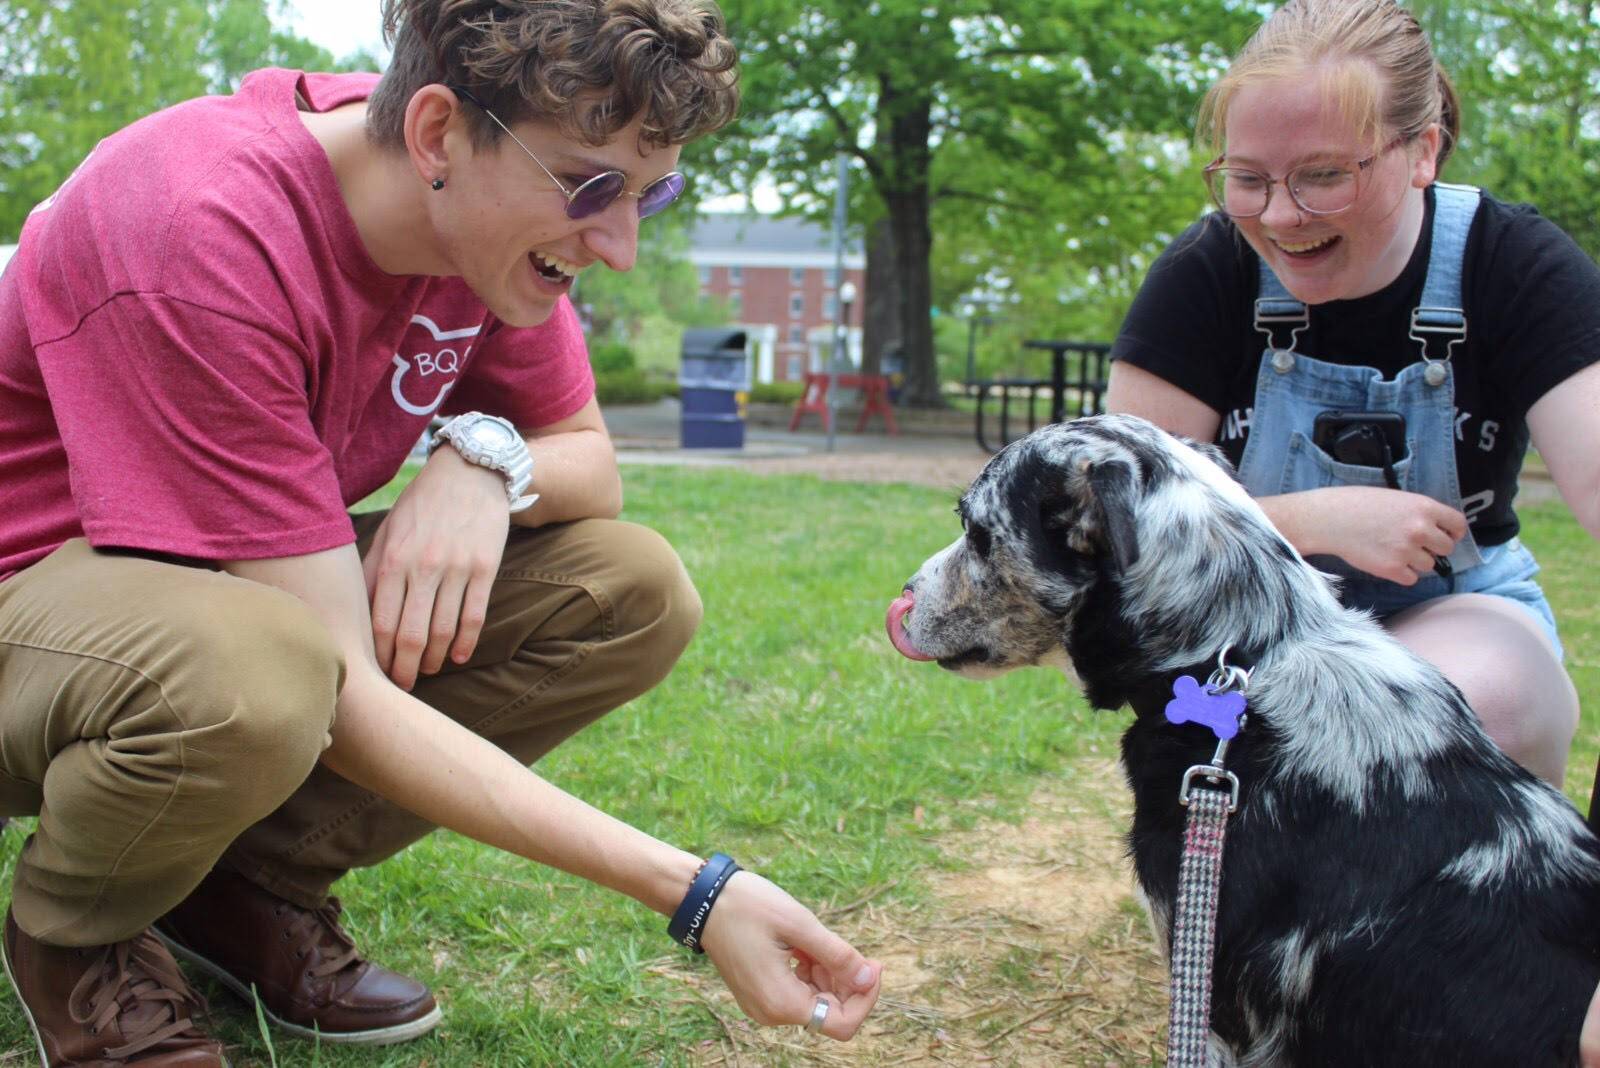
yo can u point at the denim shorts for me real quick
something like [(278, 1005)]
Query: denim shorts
[(1507, 571)]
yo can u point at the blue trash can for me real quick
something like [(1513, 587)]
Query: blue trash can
[(713, 386)]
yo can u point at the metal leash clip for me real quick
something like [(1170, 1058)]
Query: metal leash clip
[(1228, 678)]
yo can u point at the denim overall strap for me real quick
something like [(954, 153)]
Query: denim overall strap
[(1292, 389), (1440, 312)]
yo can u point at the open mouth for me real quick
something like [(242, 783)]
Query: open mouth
[(895, 623), (1306, 249), (552, 268), (900, 638)]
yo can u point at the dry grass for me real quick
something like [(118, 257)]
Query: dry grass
[(1030, 951)]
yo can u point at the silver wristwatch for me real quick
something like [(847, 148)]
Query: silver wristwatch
[(492, 442)]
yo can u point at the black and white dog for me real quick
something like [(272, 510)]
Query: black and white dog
[(1395, 891)]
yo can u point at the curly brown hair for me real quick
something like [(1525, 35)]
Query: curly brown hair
[(590, 66)]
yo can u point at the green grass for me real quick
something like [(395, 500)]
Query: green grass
[(790, 735), (1567, 555)]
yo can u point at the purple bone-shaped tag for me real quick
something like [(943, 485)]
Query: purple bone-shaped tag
[(1192, 703)]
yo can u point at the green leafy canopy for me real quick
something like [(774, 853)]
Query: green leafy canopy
[(79, 70)]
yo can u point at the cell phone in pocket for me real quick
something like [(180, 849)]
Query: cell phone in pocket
[(1369, 439), (1366, 439)]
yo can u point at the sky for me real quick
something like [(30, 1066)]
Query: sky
[(340, 26)]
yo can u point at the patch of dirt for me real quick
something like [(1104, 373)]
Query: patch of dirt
[(1031, 952)]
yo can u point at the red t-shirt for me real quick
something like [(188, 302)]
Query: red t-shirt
[(198, 356)]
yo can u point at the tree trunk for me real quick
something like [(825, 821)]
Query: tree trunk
[(907, 119), (880, 317)]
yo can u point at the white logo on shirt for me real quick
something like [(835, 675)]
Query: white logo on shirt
[(444, 361)]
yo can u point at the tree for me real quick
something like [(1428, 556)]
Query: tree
[(78, 70), (648, 307), (1069, 267), (937, 100), (1531, 91)]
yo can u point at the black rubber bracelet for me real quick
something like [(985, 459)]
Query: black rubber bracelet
[(689, 922)]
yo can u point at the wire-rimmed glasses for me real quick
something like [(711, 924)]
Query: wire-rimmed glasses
[(1324, 188), (596, 194)]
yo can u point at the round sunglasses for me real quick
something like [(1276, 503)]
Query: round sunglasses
[(598, 193)]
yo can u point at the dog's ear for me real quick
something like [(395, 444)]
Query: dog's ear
[(1114, 488), (1095, 513)]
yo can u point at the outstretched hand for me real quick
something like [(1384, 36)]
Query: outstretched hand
[(432, 564), (778, 959)]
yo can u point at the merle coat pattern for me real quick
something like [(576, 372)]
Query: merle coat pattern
[(1395, 891)]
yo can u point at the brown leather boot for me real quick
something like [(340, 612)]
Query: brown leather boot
[(123, 1004), (310, 977)]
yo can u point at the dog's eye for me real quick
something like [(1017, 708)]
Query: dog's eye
[(977, 537)]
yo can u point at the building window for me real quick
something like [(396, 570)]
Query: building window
[(797, 335), (797, 305), (794, 368), (735, 276), (830, 305), (705, 276), (797, 276)]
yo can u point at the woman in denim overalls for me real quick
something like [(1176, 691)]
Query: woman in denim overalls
[(1332, 131), (1333, 122)]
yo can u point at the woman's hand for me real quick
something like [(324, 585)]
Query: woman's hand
[(432, 564), (778, 959), (1392, 534)]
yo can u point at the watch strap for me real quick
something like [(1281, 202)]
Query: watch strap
[(516, 469)]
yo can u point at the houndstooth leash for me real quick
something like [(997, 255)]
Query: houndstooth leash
[(1210, 793)]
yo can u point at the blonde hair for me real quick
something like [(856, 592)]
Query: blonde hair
[(590, 66), (1372, 57)]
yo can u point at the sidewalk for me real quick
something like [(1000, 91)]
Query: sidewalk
[(944, 453), (949, 458)]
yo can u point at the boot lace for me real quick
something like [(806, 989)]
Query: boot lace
[(137, 985), (319, 930)]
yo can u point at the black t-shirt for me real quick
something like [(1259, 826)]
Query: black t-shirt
[(1530, 294)]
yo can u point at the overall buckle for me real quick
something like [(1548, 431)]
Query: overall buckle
[(1278, 311), (1429, 322)]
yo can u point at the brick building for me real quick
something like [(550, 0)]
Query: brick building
[(778, 277)]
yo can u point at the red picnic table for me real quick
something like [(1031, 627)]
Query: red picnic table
[(874, 398)]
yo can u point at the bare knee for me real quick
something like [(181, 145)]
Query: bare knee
[(1503, 663)]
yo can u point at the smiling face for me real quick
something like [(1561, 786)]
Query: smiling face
[(504, 226), (1276, 125)]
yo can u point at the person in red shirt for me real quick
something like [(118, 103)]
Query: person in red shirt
[(221, 690)]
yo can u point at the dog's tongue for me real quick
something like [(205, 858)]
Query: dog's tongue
[(897, 631)]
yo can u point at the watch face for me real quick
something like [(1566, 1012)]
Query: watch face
[(490, 435)]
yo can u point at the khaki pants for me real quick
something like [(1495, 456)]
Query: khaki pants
[(160, 719)]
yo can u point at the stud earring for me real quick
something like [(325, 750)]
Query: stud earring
[(438, 184)]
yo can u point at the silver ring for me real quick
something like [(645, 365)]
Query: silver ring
[(819, 1015)]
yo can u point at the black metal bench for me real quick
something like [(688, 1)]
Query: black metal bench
[(1076, 386)]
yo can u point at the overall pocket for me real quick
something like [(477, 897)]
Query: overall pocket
[(1307, 467)]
